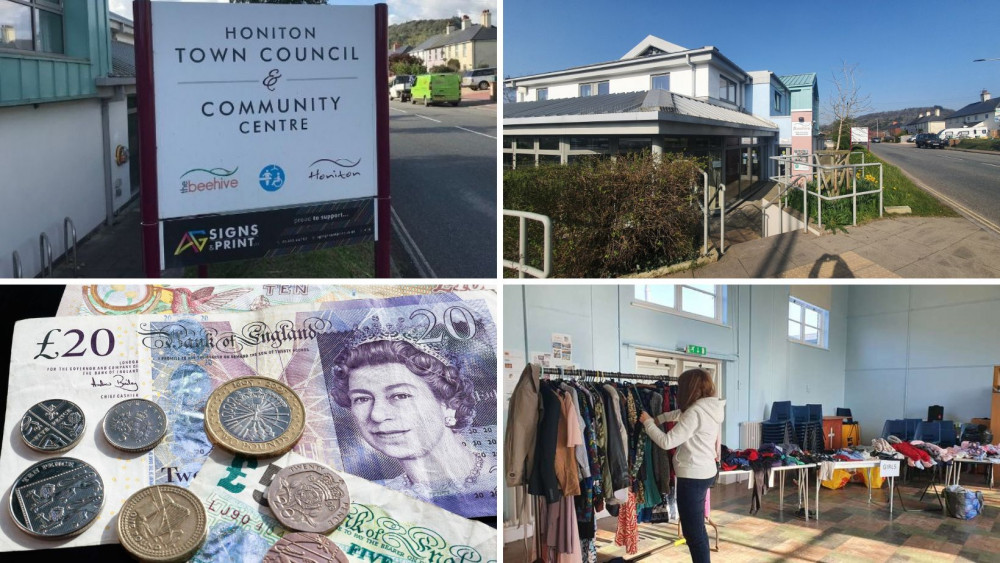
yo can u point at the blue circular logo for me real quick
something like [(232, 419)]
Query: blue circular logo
[(272, 177)]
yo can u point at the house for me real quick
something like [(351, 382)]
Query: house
[(398, 49), (983, 113), (660, 97), (474, 46), (804, 90), (64, 113), (770, 97), (927, 122)]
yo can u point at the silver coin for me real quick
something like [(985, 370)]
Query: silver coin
[(309, 497), (255, 414), (135, 425), (56, 498), (53, 426)]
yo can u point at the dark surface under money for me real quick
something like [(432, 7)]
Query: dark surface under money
[(304, 547), (56, 498), (135, 425), (53, 426), (309, 497)]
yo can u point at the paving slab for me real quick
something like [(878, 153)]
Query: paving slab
[(895, 252), (891, 226), (943, 264)]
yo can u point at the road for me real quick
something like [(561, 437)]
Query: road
[(444, 188), (972, 180)]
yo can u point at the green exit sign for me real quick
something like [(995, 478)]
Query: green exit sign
[(697, 350)]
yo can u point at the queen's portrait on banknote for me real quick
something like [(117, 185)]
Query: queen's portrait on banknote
[(410, 405)]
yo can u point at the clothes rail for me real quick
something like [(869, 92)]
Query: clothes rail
[(601, 375)]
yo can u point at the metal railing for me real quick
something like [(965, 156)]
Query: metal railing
[(819, 169), (785, 184), (522, 244), (706, 206), (69, 228), (45, 253), (16, 265)]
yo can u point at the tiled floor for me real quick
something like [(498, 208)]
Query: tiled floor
[(849, 529)]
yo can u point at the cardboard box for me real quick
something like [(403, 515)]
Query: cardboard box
[(981, 421)]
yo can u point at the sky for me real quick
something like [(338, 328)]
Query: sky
[(399, 10), (914, 53)]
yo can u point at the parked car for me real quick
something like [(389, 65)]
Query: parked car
[(479, 79), (877, 140), (437, 89), (399, 88), (909, 139), (929, 140)]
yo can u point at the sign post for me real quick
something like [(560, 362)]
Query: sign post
[(264, 130)]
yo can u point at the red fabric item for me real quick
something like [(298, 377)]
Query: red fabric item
[(913, 452)]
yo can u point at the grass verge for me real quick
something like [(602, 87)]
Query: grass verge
[(354, 261), (980, 144), (900, 190)]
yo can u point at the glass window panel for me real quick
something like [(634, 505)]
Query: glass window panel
[(548, 143), (508, 141), (525, 160), (697, 303), (525, 142), (15, 26), (811, 335), (812, 318), (603, 88), (508, 160), (794, 330), (661, 82), (794, 311), (659, 294), (549, 159), (585, 90), (542, 94), (589, 143), (707, 288), (634, 144)]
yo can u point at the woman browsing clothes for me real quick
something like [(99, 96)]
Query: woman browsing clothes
[(696, 437)]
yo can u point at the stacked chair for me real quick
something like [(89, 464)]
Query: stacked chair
[(895, 428), (947, 434), (911, 428), (778, 429)]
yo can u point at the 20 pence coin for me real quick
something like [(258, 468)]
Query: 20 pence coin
[(304, 547), (309, 497), (254, 416)]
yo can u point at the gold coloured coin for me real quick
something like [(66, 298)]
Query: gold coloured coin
[(162, 523), (309, 497), (254, 416)]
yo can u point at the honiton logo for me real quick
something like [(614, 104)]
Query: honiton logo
[(192, 239), (333, 169), (221, 179)]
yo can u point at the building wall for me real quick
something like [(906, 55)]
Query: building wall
[(64, 179), (909, 347), (120, 175), (638, 83), (760, 364)]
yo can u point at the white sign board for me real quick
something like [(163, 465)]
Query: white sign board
[(261, 106), (802, 129), (859, 134), (888, 468)]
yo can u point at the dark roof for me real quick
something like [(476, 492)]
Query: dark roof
[(630, 102), (978, 107), (402, 50), (927, 119), (122, 60), (473, 32)]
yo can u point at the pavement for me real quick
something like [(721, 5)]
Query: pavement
[(893, 247)]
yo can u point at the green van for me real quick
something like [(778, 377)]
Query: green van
[(437, 88)]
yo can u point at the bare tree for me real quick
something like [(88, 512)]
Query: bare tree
[(509, 94), (846, 101)]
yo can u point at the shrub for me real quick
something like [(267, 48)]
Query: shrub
[(609, 217)]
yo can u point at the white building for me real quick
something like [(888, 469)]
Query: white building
[(976, 115)]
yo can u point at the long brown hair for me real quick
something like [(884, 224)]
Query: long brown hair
[(694, 384)]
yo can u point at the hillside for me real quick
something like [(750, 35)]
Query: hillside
[(885, 118), (415, 32)]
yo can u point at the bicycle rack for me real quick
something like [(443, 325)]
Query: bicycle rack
[(17, 265), (45, 253), (68, 228)]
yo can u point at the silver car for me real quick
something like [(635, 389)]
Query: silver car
[(479, 79)]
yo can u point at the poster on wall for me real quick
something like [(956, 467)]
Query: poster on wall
[(513, 363), (562, 347), (267, 124)]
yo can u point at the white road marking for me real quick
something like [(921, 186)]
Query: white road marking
[(988, 164), (397, 109), (427, 118), (411, 248), (476, 132)]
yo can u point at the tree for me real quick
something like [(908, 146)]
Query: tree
[(441, 69), (454, 65), (406, 64), (846, 101)]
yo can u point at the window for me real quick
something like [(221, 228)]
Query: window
[(31, 25), (807, 323), (777, 101), (594, 89), (661, 82), (695, 301), (727, 89), (542, 94)]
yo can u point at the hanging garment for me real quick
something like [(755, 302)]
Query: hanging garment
[(570, 435), (761, 476), (616, 456), (561, 541), (543, 480), (582, 463), (522, 427), (628, 527)]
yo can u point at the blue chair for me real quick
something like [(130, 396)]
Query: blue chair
[(815, 413), (781, 411), (846, 414), (895, 428), (911, 428), (947, 436), (928, 432)]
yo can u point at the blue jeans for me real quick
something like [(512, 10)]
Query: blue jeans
[(691, 506)]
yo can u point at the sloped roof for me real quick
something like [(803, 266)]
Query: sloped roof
[(632, 102), (974, 108), (473, 32), (122, 60), (799, 80), (927, 119), (654, 42)]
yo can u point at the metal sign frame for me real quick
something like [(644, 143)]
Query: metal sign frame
[(146, 108)]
